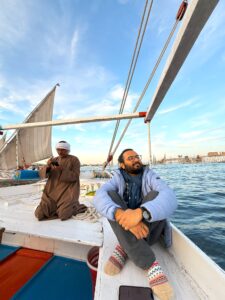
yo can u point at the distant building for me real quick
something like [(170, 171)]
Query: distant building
[(198, 158), (183, 159), (213, 154)]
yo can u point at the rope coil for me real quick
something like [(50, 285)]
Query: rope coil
[(90, 215)]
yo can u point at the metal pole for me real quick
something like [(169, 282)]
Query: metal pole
[(149, 145)]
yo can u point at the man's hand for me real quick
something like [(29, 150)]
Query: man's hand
[(51, 164), (56, 167), (128, 218), (118, 213), (140, 231), (49, 161)]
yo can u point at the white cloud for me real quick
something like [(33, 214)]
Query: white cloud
[(190, 134), (74, 43), (217, 130), (189, 143), (78, 127), (3, 116), (14, 22), (197, 142), (200, 121), (213, 31), (211, 39), (164, 126), (67, 48), (43, 30), (21, 97), (159, 140), (2, 81), (104, 105), (6, 105), (116, 93), (176, 107)]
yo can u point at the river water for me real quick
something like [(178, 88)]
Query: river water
[(200, 190)]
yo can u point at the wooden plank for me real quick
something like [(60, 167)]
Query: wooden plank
[(194, 20)]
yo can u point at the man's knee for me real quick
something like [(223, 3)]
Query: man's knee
[(46, 209), (39, 214), (65, 214), (114, 195), (117, 199)]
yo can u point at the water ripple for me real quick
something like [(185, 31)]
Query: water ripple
[(200, 191)]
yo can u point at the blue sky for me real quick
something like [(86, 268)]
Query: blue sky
[(86, 46)]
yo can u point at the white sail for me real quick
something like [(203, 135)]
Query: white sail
[(2, 141), (29, 145)]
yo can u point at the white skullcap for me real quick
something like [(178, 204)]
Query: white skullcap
[(63, 145)]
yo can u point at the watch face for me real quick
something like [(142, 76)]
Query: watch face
[(145, 215)]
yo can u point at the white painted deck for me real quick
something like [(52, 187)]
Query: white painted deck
[(180, 267), (17, 206)]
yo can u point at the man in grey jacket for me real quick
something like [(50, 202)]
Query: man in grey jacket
[(137, 203)]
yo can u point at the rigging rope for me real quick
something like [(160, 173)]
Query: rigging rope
[(179, 17), (131, 72)]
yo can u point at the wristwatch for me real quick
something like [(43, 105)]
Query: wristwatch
[(146, 214)]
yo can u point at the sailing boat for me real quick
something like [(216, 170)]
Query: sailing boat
[(194, 275), (29, 145)]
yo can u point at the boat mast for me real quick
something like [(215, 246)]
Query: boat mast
[(149, 144), (17, 151)]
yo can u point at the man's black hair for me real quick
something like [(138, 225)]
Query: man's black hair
[(62, 141), (120, 158)]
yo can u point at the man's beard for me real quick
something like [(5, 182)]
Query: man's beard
[(134, 170)]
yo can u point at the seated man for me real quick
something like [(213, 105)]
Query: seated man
[(137, 202), (60, 198)]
